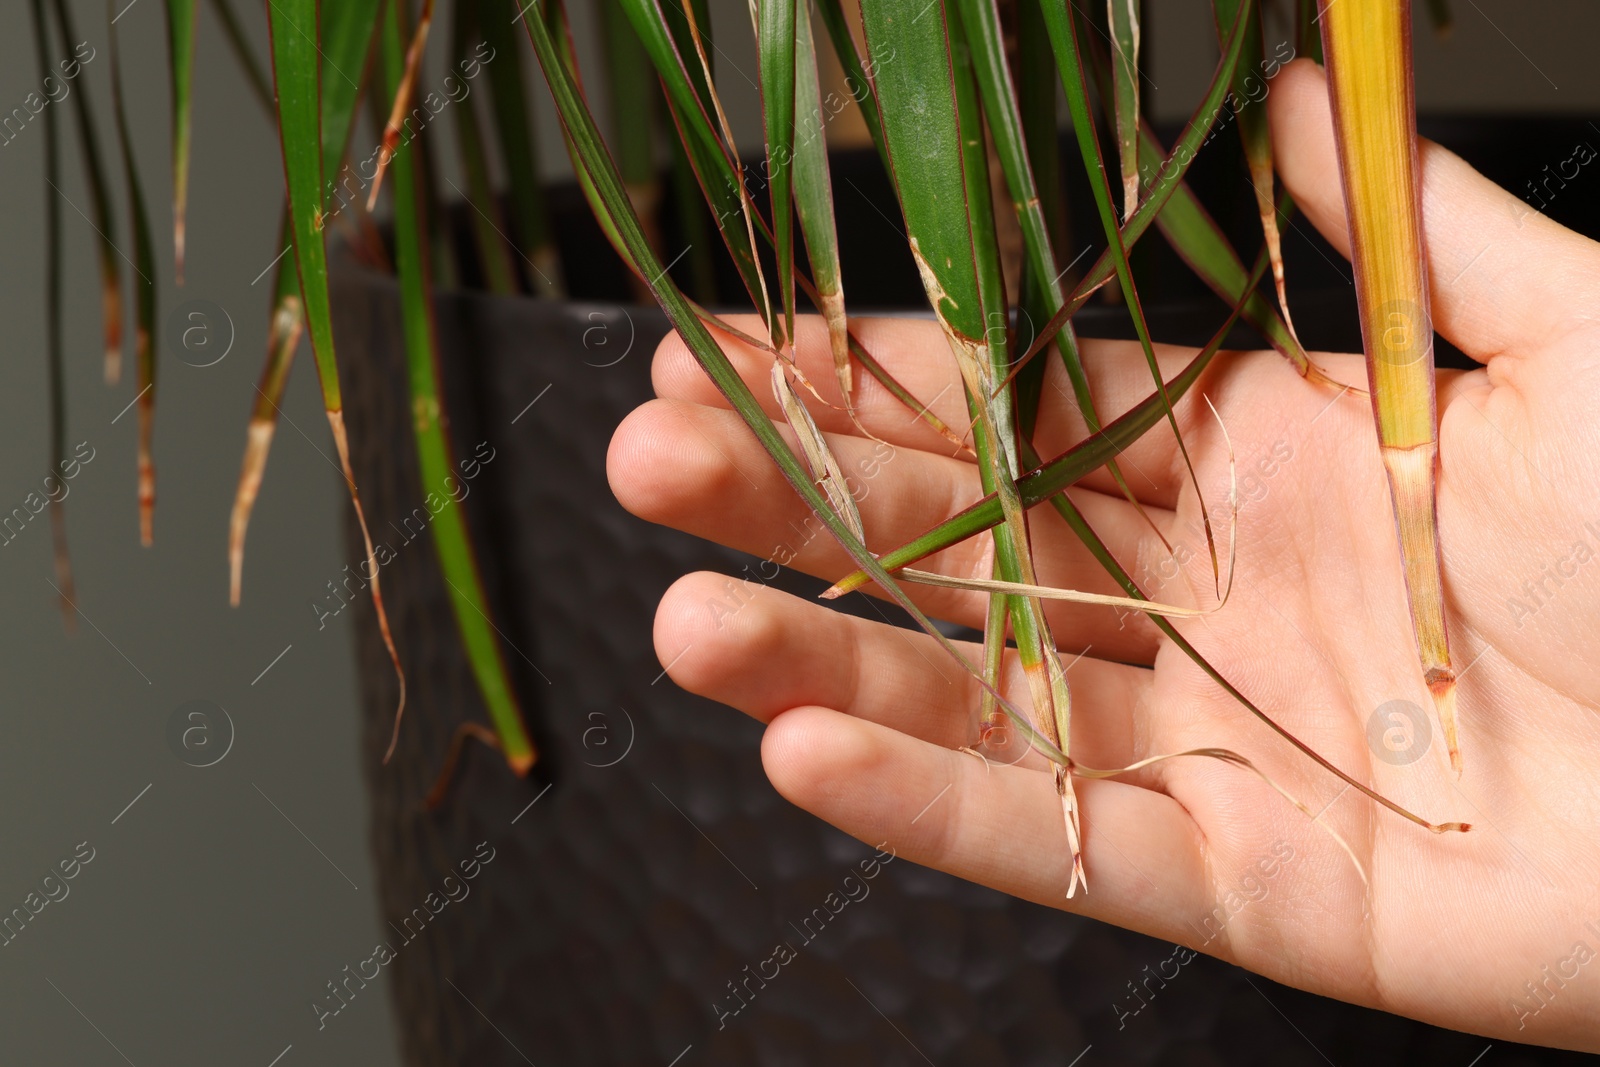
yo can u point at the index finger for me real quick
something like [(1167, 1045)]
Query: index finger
[(914, 352)]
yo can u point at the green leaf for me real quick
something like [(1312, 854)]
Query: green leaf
[(347, 34), (813, 194), (1165, 182), (437, 468), (296, 58), (347, 40), (689, 23), (775, 45), (586, 137), (632, 93), (916, 103), (180, 37), (1041, 483), (295, 61), (1122, 18), (1063, 30), (683, 80), (981, 22), (689, 205), (1036, 78), (933, 129)]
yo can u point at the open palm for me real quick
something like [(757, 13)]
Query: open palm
[(1494, 930)]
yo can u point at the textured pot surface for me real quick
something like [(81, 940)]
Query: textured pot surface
[(643, 879)]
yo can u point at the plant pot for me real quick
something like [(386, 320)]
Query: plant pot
[(641, 879)]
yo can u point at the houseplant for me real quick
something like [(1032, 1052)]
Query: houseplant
[(792, 175)]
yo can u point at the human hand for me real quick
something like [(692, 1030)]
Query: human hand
[(1493, 931)]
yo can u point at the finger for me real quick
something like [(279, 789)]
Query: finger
[(999, 826), (914, 351), (1501, 275), (700, 470), (763, 652)]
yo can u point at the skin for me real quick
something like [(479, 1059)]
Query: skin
[(864, 721)]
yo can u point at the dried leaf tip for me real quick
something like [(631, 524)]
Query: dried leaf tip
[(258, 444), (1442, 687), (341, 441)]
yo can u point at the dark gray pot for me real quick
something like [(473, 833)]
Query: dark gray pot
[(656, 863)]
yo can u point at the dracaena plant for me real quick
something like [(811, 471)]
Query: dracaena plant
[(959, 99)]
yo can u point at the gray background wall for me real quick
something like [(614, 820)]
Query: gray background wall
[(220, 902)]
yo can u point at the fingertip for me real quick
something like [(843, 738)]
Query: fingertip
[(710, 630), (677, 624), (1298, 87), (673, 368), (651, 461), (628, 454), (815, 757), (675, 372)]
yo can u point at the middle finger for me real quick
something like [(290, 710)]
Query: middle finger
[(700, 470)]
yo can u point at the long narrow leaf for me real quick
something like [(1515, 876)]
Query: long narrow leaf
[(775, 44), (296, 73), (1083, 458), (479, 636), (348, 31), (1199, 241), (683, 79), (1166, 182), (1122, 17), (1043, 482), (633, 92), (585, 134), (928, 104), (1368, 45), (1063, 28), (813, 195), (1041, 140), (981, 22)]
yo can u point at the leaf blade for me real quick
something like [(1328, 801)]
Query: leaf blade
[(452, 543), (813, 196), (1368, 46)]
